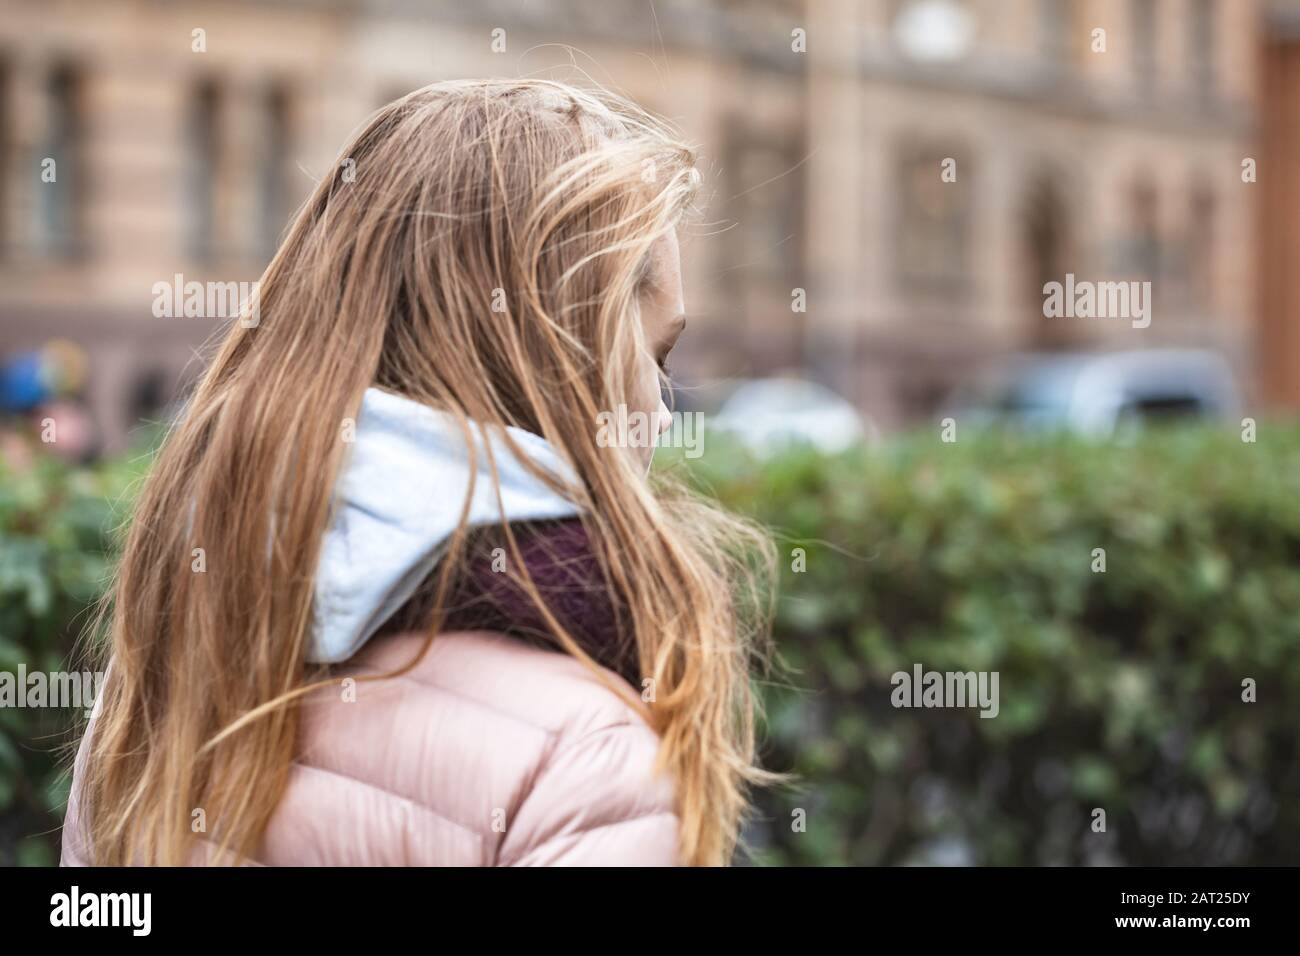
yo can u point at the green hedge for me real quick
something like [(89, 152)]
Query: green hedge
[(56, 526), (1119, 690)]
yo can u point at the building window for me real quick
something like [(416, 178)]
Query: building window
[(1054, 33), (766, 203), (202, 148), (933, 220), (1201, 242), (273, 206), (59, 185), (1144, 250), (1143, 43), (1047, 254), (1201, 47)]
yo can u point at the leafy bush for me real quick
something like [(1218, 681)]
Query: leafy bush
[(55, 541), (1120, 690)]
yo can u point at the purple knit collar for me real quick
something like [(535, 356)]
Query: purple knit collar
[(562, 565)]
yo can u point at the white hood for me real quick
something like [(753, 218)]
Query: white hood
[(399, 498)]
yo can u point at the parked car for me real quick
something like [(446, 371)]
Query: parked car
[(1104, 393), (771, 413)]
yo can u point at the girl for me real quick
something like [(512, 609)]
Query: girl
[(400, 441)]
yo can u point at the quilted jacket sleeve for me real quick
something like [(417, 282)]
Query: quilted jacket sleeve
[(596, 802)]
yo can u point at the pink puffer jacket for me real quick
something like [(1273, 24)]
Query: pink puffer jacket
[(488, 753)]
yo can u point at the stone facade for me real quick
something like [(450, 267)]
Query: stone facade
[(825, 128)]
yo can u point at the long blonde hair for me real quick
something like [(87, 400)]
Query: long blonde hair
[(450, 202)]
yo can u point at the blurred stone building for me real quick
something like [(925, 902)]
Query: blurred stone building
[(184, 135)]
